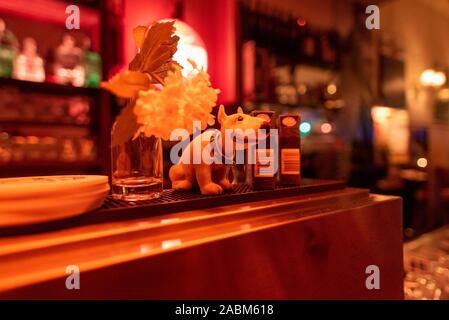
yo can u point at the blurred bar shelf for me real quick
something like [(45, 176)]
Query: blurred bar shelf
[(6, 124), (34, 102), (309, 246), (48, 87), (52, 164), (29, 168)]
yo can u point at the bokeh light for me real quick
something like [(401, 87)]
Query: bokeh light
[(326, 128), (422, 162), (305, 127)]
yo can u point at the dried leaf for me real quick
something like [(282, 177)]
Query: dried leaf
[(156, 55), (127, 84), (125, 125), (157, 47), (139, 34), (134, 65)]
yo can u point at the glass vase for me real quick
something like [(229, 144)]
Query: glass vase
[(137, 169)]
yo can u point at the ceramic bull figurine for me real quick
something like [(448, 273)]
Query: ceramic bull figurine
[(212, 178)]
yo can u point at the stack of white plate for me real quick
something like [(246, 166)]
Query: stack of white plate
[(40, 199)]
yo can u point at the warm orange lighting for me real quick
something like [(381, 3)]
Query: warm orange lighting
[(380, 113), (432, 78), (289, 121), (168, 244), (302, 89), (422, 162), (264, 116), (443, 94), (326, 128), (190, 46), (334, 104), (427, 77), (332, 89), (439, 78)]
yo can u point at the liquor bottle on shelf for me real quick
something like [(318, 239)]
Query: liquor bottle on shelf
[(78, 110), (20, 149), (328, 51), (68, 67), (28, 65), (8, 48), (309, 46), (44, 108), (5, 148), (92, 65)]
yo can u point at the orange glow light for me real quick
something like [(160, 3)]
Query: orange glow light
[(190, 46), (380, 113), (422, 162), (332, 89), (289, 121)]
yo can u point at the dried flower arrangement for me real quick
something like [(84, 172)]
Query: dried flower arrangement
[(155, 111)]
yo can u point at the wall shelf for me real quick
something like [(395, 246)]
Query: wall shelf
[(101, 22), (13, 124), (47, 87), (53, 164)]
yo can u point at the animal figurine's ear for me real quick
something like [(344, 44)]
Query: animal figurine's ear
[(221, 114), (239, 110)]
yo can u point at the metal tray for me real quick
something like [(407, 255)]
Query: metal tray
[(172, 201)]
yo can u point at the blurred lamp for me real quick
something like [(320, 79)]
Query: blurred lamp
[(427, 77), (190, 46), (432, 78), (331, 88), (422, 162), (443, 94), (380, 113), (439, 78)]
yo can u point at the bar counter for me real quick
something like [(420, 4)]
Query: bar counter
[(314, 246)]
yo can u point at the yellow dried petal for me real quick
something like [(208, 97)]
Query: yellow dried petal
[(182, 100), (127, 84)]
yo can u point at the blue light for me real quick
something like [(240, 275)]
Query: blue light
[(305, 127)]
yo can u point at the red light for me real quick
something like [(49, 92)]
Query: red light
[(326, 128), (301, 22)]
